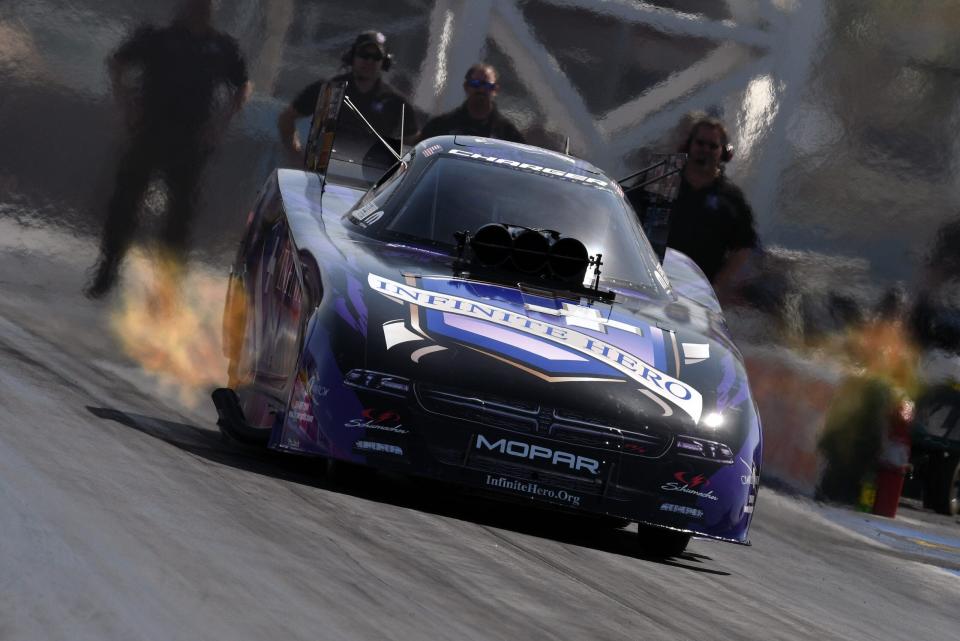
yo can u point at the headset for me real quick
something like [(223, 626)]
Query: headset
[(347, 57), (726, 149)]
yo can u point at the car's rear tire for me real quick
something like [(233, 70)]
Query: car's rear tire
[(231, 420), (660, 542)]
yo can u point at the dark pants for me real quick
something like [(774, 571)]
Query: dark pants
[(180, 161)]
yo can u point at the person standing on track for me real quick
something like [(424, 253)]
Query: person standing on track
[(174, 122)]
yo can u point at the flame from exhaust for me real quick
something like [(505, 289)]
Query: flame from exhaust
[(170, 322)]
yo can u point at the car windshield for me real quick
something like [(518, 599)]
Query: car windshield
[(454, 195)]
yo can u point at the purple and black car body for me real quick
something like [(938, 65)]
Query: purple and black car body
[(377, 327)]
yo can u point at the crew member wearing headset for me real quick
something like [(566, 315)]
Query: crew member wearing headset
[(380, 103), (478, 115), (711, 222)]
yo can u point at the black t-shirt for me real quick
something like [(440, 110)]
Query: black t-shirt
[(945, 255), (382, 106), (459, 122), (708, 223), (181, 74), (935, 318)]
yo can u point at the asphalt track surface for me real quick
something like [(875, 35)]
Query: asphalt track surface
[(123, 515)]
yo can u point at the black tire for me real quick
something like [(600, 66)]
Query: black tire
[(660, 542), (613, 522), (945, 477), (234, 426), (246, 438), (929, 498), (312, 283), (928, 480), (231, 421), (347, 474)]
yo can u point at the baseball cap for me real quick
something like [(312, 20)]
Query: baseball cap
[(374, 38)]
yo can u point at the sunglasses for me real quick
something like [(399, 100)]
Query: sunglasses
[(369, 55), (481, 84), (707, 143)]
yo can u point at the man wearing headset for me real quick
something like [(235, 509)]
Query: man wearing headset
[(380, 103), (478, 115), (711, 222)]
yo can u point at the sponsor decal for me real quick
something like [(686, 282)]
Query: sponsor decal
[(317, 389), (429, 151), (368, 214), (300, 411), (682, 509), (660, 383), (686, 485), (753, 480), (533, 489), (523, 450), (696, 481), (381, 448), (546, 171), (372, 419), (382, 417), (366, 209)]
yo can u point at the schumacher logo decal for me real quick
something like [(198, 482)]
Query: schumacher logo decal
[(660, 383), (549, 171)]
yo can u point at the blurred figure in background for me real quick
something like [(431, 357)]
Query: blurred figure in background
[(380, 104), (175, 116), (935, 322), (478, 115), (881, 361), (935, 318), (711, 222)]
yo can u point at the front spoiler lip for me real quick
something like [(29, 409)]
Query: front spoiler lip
[(702, 535), (516, 499), (472, 480), (601, 500)]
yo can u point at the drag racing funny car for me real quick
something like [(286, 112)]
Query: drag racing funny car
[(491, 314)]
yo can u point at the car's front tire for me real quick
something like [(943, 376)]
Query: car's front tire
[(347, 474)]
